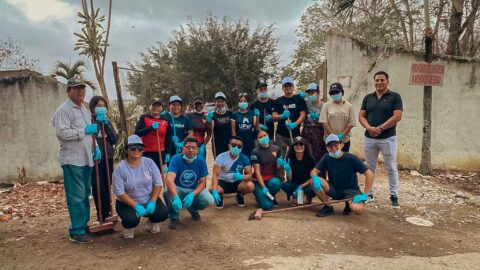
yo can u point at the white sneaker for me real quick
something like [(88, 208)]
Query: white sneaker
[(153, 227), (128, 233)]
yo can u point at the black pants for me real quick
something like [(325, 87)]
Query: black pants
[(105, 198), (346, 147), (129, 216), (154, 156)]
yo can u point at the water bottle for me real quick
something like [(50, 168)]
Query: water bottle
[(300, 197), (270, 196)]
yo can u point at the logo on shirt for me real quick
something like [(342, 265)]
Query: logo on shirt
[(187, 178), (148, 175), (239, 168), (292, 106)]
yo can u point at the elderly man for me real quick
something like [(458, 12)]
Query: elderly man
[(74, 130)]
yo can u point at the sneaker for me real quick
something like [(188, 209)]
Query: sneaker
[(128, 233), (220, 204), (370, 198), (196, 216), (240, 200), (327, 210), (347, 210), (174, 224), (275, 203), (394, 201), (153, 227), (81, 239)]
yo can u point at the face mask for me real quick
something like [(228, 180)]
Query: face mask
[(336, 97), (243, 105), (264, 140), (336, 154), (221, 110), (189, 159), (200, 111), (262, 95), (312, 98), (235, 150), (100, 110)]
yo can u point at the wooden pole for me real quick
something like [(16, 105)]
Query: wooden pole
[(121, 107)]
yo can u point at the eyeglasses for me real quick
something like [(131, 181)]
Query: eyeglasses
[(191, 147), (136, 148), (299, 144), (237, 145)]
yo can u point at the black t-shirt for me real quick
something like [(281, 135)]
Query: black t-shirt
[(268, 108), (301, 169), (342, 172), (380, 110), (222, 131), (295, 105)]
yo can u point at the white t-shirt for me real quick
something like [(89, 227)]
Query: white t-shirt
[(230, 166)]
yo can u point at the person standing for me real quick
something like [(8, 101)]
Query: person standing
[(263, 108), (380, 112), (75, 131), (201, 129), (337, 116), (243, 124), (221, 124), (312, 129), (181, 126)]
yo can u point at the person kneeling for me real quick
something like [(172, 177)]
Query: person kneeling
[(186, 183), (232, 173), (341, 169), (137, 183)]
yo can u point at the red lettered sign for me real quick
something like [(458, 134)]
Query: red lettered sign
[(427, 74)]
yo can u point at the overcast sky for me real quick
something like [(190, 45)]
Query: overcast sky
[(45, 27)]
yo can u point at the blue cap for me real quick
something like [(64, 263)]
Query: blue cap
[(312, 87), (331, 138), (175, 98), (287, 80), (133, 140)]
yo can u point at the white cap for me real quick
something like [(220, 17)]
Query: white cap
[(134, 139), (175, 98), (220, 95)]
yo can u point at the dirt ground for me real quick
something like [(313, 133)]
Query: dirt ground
[(224, 239)]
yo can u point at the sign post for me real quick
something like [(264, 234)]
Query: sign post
[(427, 74)]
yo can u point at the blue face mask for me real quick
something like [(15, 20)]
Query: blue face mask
[(336, 97), (336, 154), (221, 110), (262, 95), (100, 110), (312, 98), (243, 105), (235, 150), (189, 159), (264, 140)]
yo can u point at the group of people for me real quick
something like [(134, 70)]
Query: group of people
[(295, 143)]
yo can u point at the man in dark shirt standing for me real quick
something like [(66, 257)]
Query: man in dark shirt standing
[(263, 108), (380, 112)]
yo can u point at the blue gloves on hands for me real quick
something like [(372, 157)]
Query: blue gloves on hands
[(164, 113), (97, 155), (141, 211), (268, 118), (91, 129), (285, 114), (179, 145), (155, 125), (216, 196), (256, 112), (314, 115), (165, 169), (176, 203), (265, 191), (201, 150), (175, 139), (295, 193), (263, 127), (317, 183), (281, 162), (301, 94), (292, 125), (102, 118), (340, 136), (209, 117), (188, 200), (151, 207), (360, 198), (238, 176), (167, 158)]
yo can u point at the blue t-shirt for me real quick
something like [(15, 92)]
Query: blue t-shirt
[(187, 174), (245, 129), (342, 172), (182, 126), (230, 166)]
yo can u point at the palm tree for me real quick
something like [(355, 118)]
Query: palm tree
[(77, 71)]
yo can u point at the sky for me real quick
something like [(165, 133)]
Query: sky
[(45, 27)]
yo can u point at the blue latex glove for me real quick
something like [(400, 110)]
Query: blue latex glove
[(176, 203), (265, 191), (188, 200), (165, 169), (238, 176), (287, 168), (314, 115), (340, 136), (256, 112), (102, 118), (91, 129), (292, 125), (263, 127), (209, 117), (167, 158), (216, 196), (179, 145), (268, 118), (201, 150), (155, 125), (151, 207), (285, 114), (281, 162), (317, 183), (295, 193), (141, 211), (360, 198), (97, 155), (164, 113), (175, 139), (301, 94)]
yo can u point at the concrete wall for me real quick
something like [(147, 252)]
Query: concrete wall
[(455, 108), (27, 138)]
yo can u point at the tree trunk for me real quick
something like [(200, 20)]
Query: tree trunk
[(455, 29)]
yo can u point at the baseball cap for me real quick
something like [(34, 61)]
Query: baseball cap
[(134, 140), (175, 98), (287, 80), (197, 100), (156, 100), (331, 138), (312, 87), (261, 83), (336, 87), (220, 95), (75, 82)]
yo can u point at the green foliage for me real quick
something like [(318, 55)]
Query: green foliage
[(68, 71)]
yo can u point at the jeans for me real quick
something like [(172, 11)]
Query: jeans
[(274, 185), (203, 200), (130, 218), (388, 147), (77, 189)]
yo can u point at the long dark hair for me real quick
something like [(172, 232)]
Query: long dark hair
[(307, 154), (94, 101)]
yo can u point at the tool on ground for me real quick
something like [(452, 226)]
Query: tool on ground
[(260, 212), (162, 171)]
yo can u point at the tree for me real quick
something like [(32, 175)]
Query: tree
[(93, 40), (75, 71), (11, 56)]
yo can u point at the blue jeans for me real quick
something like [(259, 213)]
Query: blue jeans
[(289, 187), (77, 189), (274, 185), (203, 200)]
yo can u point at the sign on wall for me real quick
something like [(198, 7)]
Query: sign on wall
[(427, 74)]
